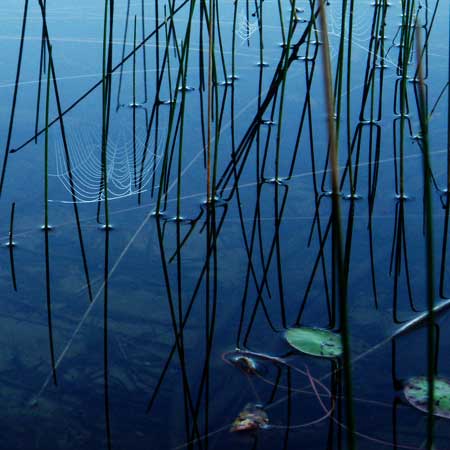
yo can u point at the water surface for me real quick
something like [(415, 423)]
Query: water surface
[(177, 283)]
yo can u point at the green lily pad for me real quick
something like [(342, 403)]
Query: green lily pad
[(315, 341), (416, 392)]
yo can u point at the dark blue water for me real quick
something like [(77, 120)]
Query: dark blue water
[(236, 274)]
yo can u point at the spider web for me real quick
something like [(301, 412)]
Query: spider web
[(127, 172), (362, 24), (246, 28)]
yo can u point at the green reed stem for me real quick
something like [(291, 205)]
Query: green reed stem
[(106, 97), (41, 71), (219, 36), (261, 36), (144, 53), (423, 115), (171, 118), (448, 118), (125, 33), (210, 98), (280, 12), (16, 90), (348, 94), (105, 88), (47, 111), (11, 226), (184, 64), (233, 43), (406, 47), (337, 234), (134, 102), (46, 225), (179, 86)]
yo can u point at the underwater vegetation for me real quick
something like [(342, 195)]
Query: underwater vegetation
[(225, 224)]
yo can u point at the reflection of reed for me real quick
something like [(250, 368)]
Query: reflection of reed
[(399, 252), (11, 245), (108, 30), (274, 247), (179, 314), (446, 196), (47, 227), (429, 254)]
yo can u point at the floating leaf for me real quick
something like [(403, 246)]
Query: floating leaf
[(245, 363), (315, 341), (252, 417), (416, 392), (249, 362)]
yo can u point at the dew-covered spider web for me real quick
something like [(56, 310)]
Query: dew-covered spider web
[(128, 171), (246, 27), (362, 23)]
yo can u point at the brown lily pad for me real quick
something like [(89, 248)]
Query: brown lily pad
[(252, 417)]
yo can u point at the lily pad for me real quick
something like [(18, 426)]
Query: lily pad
[(246, 363), (416, 392), (315, 341), (252, 417)]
